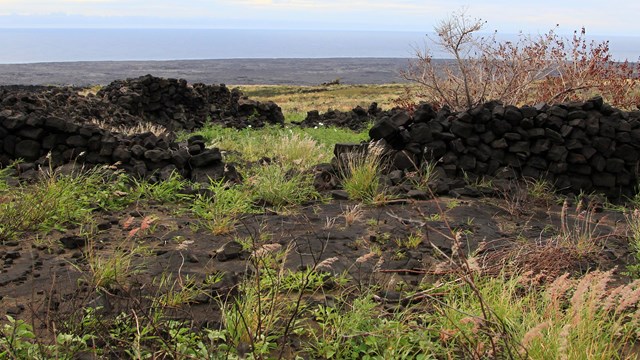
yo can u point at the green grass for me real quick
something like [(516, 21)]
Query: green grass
[(312, 146), (4, 174), (278, 187), (221, 213), (167, 191), (57, 201), (633, 224), (361, 175)]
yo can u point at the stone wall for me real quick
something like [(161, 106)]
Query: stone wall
[(586, 146), (583, 146), (41, 141), (356, 119), (43, 126), (176, 105)]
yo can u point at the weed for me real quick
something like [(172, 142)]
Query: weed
[(358, 329), (453, 203), (59, 200), (179, 291), (277, 187), (540, 190), (297, 151), (579, 231), (220, 214), (293, 147), (4, 173), (412, 241), (140, 128), (434, 217), (167, 191), (352, 214), (633, 223), (424, 176), (477, 182), (361, 175), (106, 272)]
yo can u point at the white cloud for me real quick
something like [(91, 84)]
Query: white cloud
[(617, 16)]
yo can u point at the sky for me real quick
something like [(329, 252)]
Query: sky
[(611, 17)]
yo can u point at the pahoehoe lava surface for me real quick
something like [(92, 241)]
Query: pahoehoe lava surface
[(227, 71)]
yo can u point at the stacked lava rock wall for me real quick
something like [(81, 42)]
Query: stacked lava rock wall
[(175, 105), (44, 141), (52, 126), (585, 146)]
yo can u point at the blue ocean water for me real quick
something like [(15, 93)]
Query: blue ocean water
[(61, 45)]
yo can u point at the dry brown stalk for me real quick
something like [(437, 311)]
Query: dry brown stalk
[(548, 68), (534, 333), (364, 258), (327, 264), (266, 249)]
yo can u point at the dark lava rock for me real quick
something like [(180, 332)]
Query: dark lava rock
[(229, 251), (207, 157), (73, 242)]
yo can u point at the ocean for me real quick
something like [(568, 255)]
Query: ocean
[(67, 45)]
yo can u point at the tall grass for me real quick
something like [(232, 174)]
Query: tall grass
[(361, 173), (278, 187)]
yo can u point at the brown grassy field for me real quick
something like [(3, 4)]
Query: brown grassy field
[(295, 101)]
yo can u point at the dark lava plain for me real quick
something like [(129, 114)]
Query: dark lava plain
[(226, 71)]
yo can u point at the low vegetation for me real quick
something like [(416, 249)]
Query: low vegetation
[(295, 101), (316, 311), (271, 268)]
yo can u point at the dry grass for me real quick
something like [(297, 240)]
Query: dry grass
[(547, 261), (295, 101), (140, 128)]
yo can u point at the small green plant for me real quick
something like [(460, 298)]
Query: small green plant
[(361, 175), (4, 173), (19, 341), (453, 203), (108, 271), (358, 329), (424, 176), (279, 188), (179, 291), (221, 213), (434, 217), (412, 241), (166, 191), (540, 189), (16, 340)]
